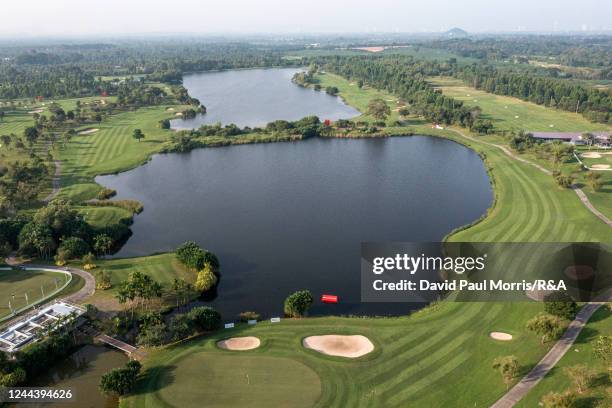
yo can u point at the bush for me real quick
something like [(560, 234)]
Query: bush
[(246, 316), (298, 303), (558, 400), (120, 381), (73, 247), (181, 326), (560, 304), (205, 318), (103, 280), (192, 256), (154, 335), (88, 261), (206, 279), (549, 327), (564, 181), (106, 193)]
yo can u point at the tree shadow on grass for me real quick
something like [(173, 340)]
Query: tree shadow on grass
[(155, 379), (587, 402), (586, 335)]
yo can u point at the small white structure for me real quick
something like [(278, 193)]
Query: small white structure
[(33, 326), (275, 320), (229, 325)]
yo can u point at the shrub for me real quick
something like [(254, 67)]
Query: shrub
[(88, 261), (508, 368), (120, 381), (106, 193), (549, 327), (73, 247), (154, 335), (192, 256), (14, 378), (103, 280), (558, 400), (560, 304), (564, 181), (206, 279), (602, 347), (180, 327), (298, 303), (205, 318), (581, 375), (246, 316)]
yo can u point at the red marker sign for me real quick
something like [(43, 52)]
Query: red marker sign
[(329, 298)]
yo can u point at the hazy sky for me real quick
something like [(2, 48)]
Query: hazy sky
[(61, 17)]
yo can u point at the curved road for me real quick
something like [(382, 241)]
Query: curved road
[(77, 297)]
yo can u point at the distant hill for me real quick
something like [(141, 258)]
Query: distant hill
[(456, 33)]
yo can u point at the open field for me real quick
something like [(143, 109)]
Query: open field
[(514, 114), (16, 284), (582, 353), (438, 357)]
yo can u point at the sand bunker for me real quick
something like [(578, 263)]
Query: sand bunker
[(239, 343), (370, 49), (169, 109), (591, 155), (579, 272), (36, 111), (88, 131), (500, 336), (600, 166), (178, 114), (337, 345)]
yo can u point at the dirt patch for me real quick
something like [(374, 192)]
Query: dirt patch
[(500, 336), (591, 155), (370, 49), (600, 166), (337, 345), (88, 131), (239, 343)]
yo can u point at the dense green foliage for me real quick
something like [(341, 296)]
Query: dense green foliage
[(121, 381), (298, 303), (560, 304), (192, 256)]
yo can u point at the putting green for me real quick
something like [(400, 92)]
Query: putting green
[(222, 380)]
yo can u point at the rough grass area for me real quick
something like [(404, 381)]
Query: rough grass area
[(503, 110), (438, 357)]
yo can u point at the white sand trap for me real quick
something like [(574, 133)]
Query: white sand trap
[(170, 109), (591, 155), (88, 131), (337, 345), (500, 336), (36, 111), (579, 272), (600, 166), (178, 114), (239, 343)]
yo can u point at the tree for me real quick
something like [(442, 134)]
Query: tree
[(482, 127), (164, 124), (564, 181), (581, 375), (508, 367), (103, 280), (120, 381), (192, 256), (102, 244), (559, 400), (36, 239), (589, 138), (378, 109), (74, 247), (594, 180), (31, 134), (152, 335), (332, 90), (547, 326), (560, 304), (298, 303), (205, 318), (181, 289), (138, 135), (206, 279)]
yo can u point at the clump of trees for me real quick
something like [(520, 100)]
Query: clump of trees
[(121, 381), (378, 109), (297, 304), (205, 262), (547, 326), (508, 367), (560, 304)]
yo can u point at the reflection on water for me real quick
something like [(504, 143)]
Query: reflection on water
[(81, 373)]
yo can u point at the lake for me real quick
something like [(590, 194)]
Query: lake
[(254, 97), (290, 216)]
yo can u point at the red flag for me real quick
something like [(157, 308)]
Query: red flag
[(329, 298)]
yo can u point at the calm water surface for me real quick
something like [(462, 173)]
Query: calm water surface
[(290, 216), (255, 97), (81, 372)]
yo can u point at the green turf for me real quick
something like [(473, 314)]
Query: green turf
[(112, 149), (104, 216), (581, 353), (234, 380), (439, 357), (15, 284), (503, 110)]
